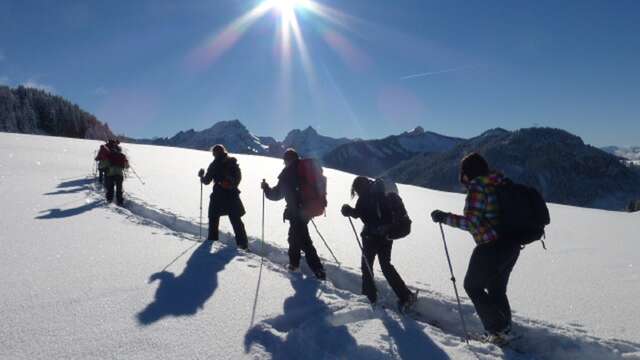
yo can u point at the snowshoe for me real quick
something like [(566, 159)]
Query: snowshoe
[(501, 338), (321, 275), (406, 305)]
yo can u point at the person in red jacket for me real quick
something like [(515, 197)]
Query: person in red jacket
[(115, 174), (103, 162), (299, 240)]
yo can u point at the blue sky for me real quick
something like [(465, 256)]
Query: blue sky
[(152, 68)]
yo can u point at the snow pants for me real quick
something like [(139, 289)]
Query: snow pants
[(486, 283), (300, 240), (238, 229), (114, 181), (372, 247)]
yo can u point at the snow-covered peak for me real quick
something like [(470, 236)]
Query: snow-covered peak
[(232, 134), (228, 127), (419, 130), (310, 143)]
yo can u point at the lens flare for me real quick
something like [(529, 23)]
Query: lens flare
[(290, 35), (287, 6)]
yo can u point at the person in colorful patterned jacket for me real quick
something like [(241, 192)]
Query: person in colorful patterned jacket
[(115, 174), (493, 258)]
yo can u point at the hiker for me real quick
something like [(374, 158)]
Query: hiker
[(376, 209), (288, 187), (493, 258), (103, 161), (117, 163), (225, 200)]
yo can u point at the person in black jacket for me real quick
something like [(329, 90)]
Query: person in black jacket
[(299, 238), (374, 209), (225, 174)]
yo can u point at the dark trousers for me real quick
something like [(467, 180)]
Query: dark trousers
[(300, 240), (486, 283), (238, 229), (114, 181), (381, 248)]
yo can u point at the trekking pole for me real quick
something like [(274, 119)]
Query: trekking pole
[(325, 243), (200, 209), (255, 299), (355, 232), (95, 165), (262, 252), (136, 174), (455, 288)]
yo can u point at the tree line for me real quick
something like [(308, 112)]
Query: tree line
[(34, 111)]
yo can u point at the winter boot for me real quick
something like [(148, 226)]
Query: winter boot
[(320, 274), (408, 303)]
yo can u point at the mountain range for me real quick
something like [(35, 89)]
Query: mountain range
[(559, 164)]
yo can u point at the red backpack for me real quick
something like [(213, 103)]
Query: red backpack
[(118, 159), (312, 188)]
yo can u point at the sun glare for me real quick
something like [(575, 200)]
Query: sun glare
[(288, 6), (289, 14)]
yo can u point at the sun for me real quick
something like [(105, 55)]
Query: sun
[(288, 6)]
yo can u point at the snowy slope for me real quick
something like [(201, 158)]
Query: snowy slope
[(85, 280)]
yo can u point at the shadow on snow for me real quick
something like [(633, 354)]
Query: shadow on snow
[(542, 340), (60, 213), (304, 331), (185, 294)]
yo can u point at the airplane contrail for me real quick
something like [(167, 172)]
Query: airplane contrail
[(436, 72)]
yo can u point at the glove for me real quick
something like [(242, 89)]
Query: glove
[(439, 216), (264, 185), (346, 210), (201, 173)]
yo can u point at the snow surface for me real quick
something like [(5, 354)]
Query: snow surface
[(82, 279)]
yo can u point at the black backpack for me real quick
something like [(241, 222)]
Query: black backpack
[(523, 213), (400, 221)]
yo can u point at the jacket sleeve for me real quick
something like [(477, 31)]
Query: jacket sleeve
[(235, 174), (473, 218), (275, 193), (208, 177), (357, 210), (474, 207)]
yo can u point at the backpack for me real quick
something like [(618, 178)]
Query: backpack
[(523, 213), (312, 187), (118, 159), (400, 221)]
